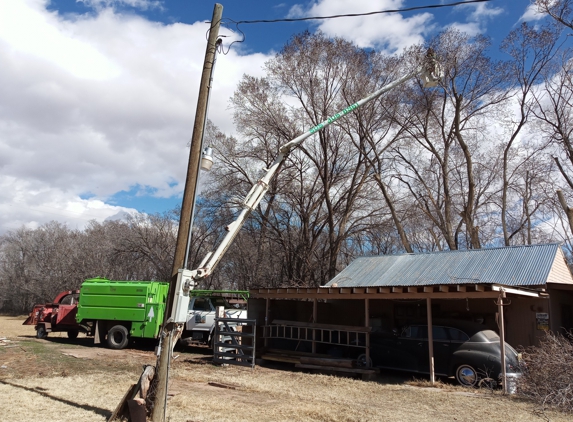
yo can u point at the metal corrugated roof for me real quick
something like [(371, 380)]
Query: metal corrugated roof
[(527, 265)]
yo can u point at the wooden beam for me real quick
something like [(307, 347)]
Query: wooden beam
[(500, 322), (397, 289), (371, 290), (336, 369), (339, 363), (267, 310), (384, 290), (428, 289), (412, 289), (394, 295), (430, 340), (444, 288), (461, 288), (315, 320), (479, 288), (367, 325)]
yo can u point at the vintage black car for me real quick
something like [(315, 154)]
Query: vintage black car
[(464, 350)]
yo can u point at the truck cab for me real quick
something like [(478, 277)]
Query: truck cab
[(202, 311)]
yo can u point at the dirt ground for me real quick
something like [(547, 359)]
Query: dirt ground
[(58, 379)]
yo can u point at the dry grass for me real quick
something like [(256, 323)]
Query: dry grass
[(90, 390)]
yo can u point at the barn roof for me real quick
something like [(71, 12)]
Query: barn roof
[(527, 265)]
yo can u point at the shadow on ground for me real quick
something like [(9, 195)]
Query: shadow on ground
[(38, 390)]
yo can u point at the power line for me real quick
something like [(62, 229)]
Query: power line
[(348, 15)]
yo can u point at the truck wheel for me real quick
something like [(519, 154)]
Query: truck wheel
[(73, 334), (117, 337), (41, 332)]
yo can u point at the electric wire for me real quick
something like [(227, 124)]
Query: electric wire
[(347, 15), (406, 9)]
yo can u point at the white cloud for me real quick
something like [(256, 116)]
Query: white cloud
[(96, 104), (470, 28), (484, 11), (531, 14), (137, 4), (391, 32), (476, 22), (41, 38)]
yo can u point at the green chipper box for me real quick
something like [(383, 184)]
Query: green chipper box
[(115, 311)]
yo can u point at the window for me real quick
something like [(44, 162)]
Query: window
[(439, 333), (458, 335), (419, 331), (201, 304), (220, 301)]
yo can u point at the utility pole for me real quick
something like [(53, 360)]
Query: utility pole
[(168, 336)]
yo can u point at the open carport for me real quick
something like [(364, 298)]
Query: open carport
[(519, 292)]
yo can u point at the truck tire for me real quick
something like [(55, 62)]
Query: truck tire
[(73, 334), (117, 337), (41, 332)]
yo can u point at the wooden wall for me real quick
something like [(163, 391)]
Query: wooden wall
[(561, 311), (520, 315)]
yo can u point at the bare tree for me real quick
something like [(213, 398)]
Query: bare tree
[(445, 128), (559, 10), (532, 51), (553, 110), (150, 244), (319, 198)]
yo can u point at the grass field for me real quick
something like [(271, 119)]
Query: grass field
[(71, 380)]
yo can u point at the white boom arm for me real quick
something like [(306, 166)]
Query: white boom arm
[(430, 73)]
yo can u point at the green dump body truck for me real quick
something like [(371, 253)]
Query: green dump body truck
[(115, 311)]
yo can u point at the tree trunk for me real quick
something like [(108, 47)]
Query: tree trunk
[(568, 210)]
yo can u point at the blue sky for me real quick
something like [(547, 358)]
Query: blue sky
[(97, 97)]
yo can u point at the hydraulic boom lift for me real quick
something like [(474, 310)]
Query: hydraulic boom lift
[(430, 73)]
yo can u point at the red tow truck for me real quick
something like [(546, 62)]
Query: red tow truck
[(60, 315)]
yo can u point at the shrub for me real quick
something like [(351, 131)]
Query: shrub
[(548, 372)]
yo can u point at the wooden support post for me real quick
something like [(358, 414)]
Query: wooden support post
[(367, 324), (267, 304), (430, 340), (314, 320), (500, 322)]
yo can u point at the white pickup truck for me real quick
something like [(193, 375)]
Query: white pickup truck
[(199, 329)]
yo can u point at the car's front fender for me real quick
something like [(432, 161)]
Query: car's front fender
[(484, 363)]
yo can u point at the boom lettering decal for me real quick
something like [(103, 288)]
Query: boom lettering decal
[(334, 118)]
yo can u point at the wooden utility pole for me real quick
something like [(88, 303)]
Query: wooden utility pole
[(195, 150), (168, 335)]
